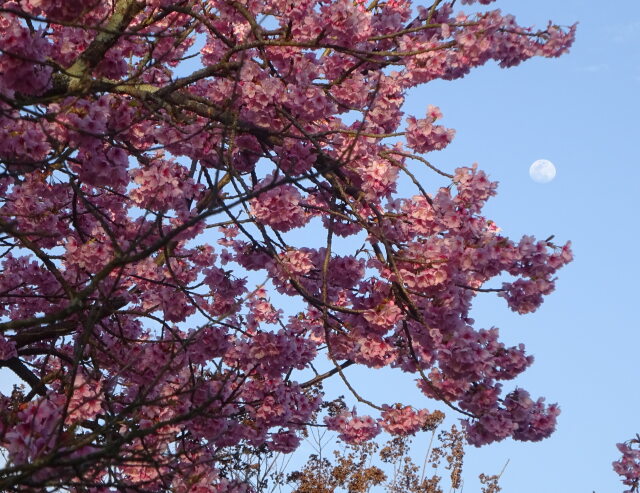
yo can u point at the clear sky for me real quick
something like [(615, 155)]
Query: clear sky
[(581, 112)]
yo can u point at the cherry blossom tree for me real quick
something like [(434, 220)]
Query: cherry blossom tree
[(158, 155), (628, 466)]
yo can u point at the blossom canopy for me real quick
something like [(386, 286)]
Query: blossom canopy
[(155, 155)]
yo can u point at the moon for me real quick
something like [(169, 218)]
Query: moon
[(542, 171)]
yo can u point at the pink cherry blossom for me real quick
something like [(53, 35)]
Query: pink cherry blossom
[(628, 466), (400, 420), (202, 222), (353, 428), (280, 208)]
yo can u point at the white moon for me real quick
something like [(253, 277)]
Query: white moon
[(542, 171)]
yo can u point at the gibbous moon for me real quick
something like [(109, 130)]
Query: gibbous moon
[(542, 171)]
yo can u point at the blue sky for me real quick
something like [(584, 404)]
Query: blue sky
[(581, 112)]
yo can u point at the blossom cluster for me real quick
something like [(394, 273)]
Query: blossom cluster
[(353, 428), (628, 466)]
